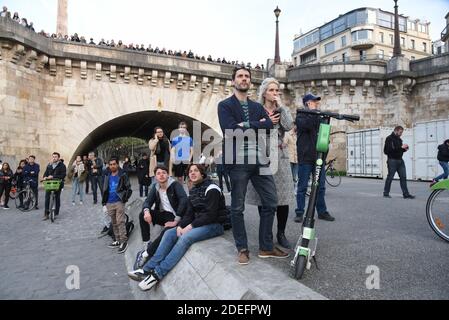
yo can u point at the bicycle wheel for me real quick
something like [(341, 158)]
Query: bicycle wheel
[(52, 207), (333, 178), (437, 212), (300, 266), (29, 201)]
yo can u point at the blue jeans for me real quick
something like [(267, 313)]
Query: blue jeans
[(294, 167), (264, 185), (444, 175), (172, 249), (304, 171), (77, 186)]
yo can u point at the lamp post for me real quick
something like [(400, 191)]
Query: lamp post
[(397, 40), (277, 57)]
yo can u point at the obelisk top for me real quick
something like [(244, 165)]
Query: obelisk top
[(61, 23)]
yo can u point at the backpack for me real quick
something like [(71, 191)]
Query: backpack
[(128, 224)]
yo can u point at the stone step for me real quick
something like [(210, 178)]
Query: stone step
[(209, 271)]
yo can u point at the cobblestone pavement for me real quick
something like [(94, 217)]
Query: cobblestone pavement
[(369, 230), (35, 254)]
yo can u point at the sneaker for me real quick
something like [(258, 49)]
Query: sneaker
[(5, 207), (138, 275), (386, 195), (325, 216), (123, 246), (73, 203), (282, 240), (141, 259), (46, 217), (114, 244), (244, 257), (103, 232), (81, 203), (149, 282), (95, 202), (409, 196), (298, 219), (275, 253), (36, 208)]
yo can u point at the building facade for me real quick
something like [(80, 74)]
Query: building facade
[(445, 34), (362, 34)]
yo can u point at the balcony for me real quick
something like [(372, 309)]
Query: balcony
[(362, 44), (445, 34)]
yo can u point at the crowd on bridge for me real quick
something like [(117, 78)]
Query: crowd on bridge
[(131, 46)]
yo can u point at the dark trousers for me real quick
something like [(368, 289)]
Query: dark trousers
[(7, 189), (224, 175), (281, 215), (399, 167), (36, 193), (87, 185), (96, 181), (264, 185), (141, 188), (47, 202), (157, 217)]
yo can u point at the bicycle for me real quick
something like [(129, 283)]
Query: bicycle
[(52, 186), (26, 199), (306, 245), (333, 177), (437, 209)]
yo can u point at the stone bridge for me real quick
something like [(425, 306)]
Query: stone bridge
[(70, 97)]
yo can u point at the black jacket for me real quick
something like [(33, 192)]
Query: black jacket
[(59, 172), (206, 206), (175, 194), (393, 147), (3, 175), (98, 165), (123, 189), (443, 152), (143, 168), (307, 126)]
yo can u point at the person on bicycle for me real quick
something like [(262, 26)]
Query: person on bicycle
[(307, 126), (443, 158), (31, 174), (6, 178), (56, 170)]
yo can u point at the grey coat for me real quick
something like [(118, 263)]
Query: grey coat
[(279, 164)]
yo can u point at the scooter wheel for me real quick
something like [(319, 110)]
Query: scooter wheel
[(300, 266)]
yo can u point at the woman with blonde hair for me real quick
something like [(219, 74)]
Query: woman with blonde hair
[(269, 97)]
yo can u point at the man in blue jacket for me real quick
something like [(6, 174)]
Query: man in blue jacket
[(31, 173), (239, 117)]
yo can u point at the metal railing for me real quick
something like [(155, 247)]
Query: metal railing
[(445, 33)]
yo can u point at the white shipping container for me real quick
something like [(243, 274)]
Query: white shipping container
[(365, 156), (428, 136)]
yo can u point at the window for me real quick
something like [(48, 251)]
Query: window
[(344, 57), (308, 57), (361, 35), (422, 28), (343, 41), (296, 61), (413, 43), (326, 31), (306, 41), (391, 39), (386, 20), (329, 47), (439, 50), (403, 41), (411, 26), (381, 37), (381, 54), (362, 55), (424, 46), (339, 25)]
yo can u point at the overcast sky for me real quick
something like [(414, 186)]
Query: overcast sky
[(241, 30)]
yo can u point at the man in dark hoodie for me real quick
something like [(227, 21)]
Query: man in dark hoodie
[(443, 158), (170, 203), (116, 192), (394, 148)]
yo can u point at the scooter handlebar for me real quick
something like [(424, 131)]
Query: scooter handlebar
[(337, 116)]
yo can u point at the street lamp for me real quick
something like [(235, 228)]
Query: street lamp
[(397, 38), (277, 57)]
